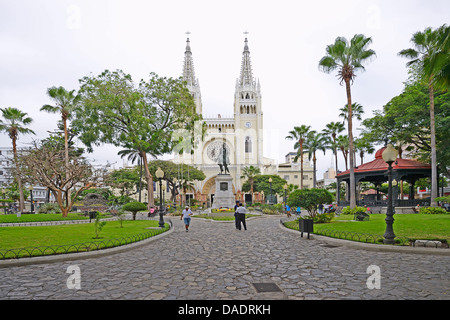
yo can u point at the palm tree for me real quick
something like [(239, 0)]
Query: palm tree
[(438, 63), (348, 58), (342, 144), (250, 173), (357, 111), (332, 129), (299, 135), (14, 122), (363, 146), (426, 45), (65, 103), (314, 142)]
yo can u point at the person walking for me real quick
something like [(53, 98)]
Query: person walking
[(186, 215), (240, 215), (236, 206)]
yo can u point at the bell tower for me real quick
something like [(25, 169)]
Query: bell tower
[(189, 76), (248, 113)]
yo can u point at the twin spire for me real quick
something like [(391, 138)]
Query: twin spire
[(246, 75)]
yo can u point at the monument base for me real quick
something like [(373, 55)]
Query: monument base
[(224, 197)]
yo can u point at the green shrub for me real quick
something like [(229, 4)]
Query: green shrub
[(353, 211), (323, 217), (134, 207), (49, 208), (432, 210)]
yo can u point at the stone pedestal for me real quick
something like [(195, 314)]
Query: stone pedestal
[(224, 196)]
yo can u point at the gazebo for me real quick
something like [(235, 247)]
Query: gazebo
[(408, 170)]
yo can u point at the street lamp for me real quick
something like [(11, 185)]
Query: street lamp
[(389, 156), (270, 182), (31, 198), (160, 174)]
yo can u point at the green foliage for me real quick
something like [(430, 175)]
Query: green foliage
[(309, 199), (353, 211), (324, 217), (98, 225), (261, 183), (432, 210), (134, 207), (49, 208), (445, 199)]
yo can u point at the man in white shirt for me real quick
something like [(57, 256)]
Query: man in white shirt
[(240, 212)]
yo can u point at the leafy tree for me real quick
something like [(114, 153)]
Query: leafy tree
[(348, 58), (299, 135), (14, 122), (134, 207), (178, 176), (437, 64), (261, 183), (426, 44), (249, 173), (141, 117), (45, 165), (309, 199)]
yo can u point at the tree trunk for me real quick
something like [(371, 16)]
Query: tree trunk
[(434, 176), (148, 176), (301, 164), (66, 150), (350, 142), (18, 178)]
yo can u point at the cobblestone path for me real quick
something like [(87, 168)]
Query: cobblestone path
[(215, 261)]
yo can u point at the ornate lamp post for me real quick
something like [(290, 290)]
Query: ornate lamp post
[(31, 198), (389, 156), (159, 175), (270, 182)]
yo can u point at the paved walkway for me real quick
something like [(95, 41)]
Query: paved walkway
[(215, 261)]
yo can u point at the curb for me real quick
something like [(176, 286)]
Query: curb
[(82, 255), (371, 247)]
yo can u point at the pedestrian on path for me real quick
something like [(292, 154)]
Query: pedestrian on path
[(240, 216), (186, 215), (236, 206)]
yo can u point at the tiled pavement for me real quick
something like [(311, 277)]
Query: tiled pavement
[(215, 261)]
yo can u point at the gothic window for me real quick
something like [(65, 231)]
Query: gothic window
[(247, 96), (248, 145)]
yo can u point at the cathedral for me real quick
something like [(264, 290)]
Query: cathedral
[(241, 136)]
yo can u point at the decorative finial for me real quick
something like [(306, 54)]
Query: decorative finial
[(188, 33)]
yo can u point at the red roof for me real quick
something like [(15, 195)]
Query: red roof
[(379, 165)]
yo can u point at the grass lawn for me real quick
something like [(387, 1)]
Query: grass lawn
[(12, 218), (412, 226), (67, 235)]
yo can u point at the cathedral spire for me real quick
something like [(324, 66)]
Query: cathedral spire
[(246, 76), (188, 68)]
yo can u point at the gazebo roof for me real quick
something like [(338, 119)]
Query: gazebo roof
[(380, 165)]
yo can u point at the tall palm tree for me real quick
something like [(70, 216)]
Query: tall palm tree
[(363, 146), (13, 123), (438, 63), (250, 173), (315, 142), (65, 102), (426, 44), (332, 129), (299, 134), (348, 58)]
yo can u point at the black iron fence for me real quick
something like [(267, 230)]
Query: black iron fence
[(86, 246)]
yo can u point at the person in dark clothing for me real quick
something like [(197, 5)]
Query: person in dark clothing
[(240, 212), (236, 206)]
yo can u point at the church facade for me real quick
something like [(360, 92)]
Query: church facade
[(241, 135)]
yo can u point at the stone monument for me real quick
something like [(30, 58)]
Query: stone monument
[(224, 196)]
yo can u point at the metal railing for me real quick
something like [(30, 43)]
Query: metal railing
[(86, 246)]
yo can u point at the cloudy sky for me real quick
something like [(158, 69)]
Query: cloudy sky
[(46, 43)]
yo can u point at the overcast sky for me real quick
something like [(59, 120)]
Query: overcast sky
[(46, 43)]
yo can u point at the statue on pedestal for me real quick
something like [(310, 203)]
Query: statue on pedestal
[(223, 160)]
